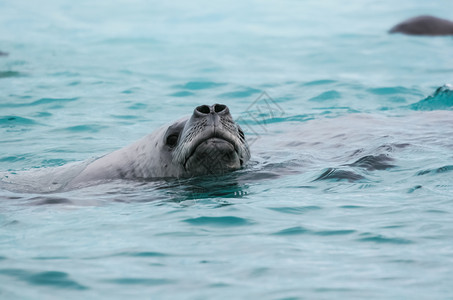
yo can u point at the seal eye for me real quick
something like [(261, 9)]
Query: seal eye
[(172, 140)]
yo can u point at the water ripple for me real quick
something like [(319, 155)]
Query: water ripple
[(293, 231), (373, 162), (125, 117), (199, 85), (138, 106), (44, 200), (319, 82), (131, 90), (182, 94), (296, 210), (225, 221), (240, 94), (301, 230), (338, 175), (143, 254), (42, 101), (394, 90), (93, 128), (140, 281), (444, 169), (8, 74), (51, 257), (329, 95), (16, 121), (380, 239), (49, 278), (335, 232)]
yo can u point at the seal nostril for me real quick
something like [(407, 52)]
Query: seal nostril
[(219, 108), (204, 109)]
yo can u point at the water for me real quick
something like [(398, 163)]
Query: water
[(347, 195)]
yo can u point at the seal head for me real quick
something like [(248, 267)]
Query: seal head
[(210, 142)]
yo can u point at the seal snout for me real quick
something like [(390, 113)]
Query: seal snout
[(211, 114), (217, 141), (204, 110)]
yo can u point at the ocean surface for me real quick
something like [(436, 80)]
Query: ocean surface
[(349, 191)]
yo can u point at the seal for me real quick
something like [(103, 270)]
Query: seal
[(424, 25), (207, 142)]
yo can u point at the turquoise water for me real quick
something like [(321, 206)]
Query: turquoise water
[(349, 190)]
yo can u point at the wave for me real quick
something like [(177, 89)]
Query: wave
[(442, 99)]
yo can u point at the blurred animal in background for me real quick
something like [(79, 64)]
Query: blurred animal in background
[(424, 25)]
